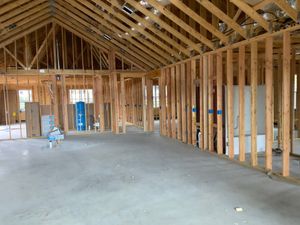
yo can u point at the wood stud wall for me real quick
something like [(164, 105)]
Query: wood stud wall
[(212, 73)]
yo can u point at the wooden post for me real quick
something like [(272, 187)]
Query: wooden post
[(298, 99), (150, 104), (292, 81), (101, 103), (242, 80), (64, 104), (178, 101), (145, 124), (193, 101), (220, 103), (114, 92), (254, 103), (201, 98), (205, 102), (163, 102), (123, 104), (279, 100), (55, 100), (173, 103), (286, 107), (133, 99), (183, 103), (210, 103), (230, 103), (188, 103), (269, 101), (169, 113)]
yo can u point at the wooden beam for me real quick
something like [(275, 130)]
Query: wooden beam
[(140, 28), (55, 100), (230, 103), (286, 107), (41, 48), (169, 113), (251, 13), (193, 102), (163, 103), (201, 105), (173, 103), (205, 102), (178, 102), (181, 23), (123, 104), (200, 20), (101, 103), (144, 100), (254, 74), (15, 58), (65, 104), (286, 7), (242, 80), (167, 27), (150, 114), (183, 102), (262, 4), (222, 16), (219, 103), (210, 103), (114, 92), (269, 102), (188, 103)]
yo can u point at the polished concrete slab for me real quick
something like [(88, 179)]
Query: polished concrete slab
[(136, 179)]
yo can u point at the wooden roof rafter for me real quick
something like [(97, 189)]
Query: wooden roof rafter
[(165, 25), (182, 24), (95, 29), (203, 22), (80, 32), (24, 29), (152, 42), (251, 13), (222, 16), (107, 29), (34, 16), (147, 24)]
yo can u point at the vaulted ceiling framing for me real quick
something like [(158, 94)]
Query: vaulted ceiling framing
[(152, 33)]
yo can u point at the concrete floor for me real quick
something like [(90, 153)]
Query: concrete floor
[(134, 179)]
